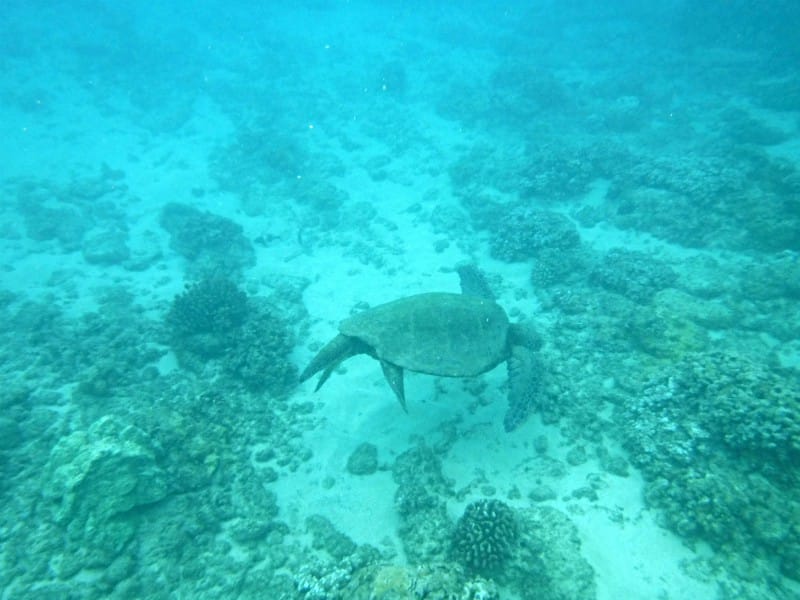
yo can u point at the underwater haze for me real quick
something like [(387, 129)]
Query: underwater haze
[(543, 256)]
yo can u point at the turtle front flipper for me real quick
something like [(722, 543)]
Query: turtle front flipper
[(523, 386), (331, 356), (394, 375)]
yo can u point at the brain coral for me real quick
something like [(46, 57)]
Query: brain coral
[(486, 535)]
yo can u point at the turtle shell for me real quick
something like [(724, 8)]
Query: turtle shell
[(451, 335)]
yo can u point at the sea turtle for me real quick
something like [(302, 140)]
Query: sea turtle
[(440, 333)]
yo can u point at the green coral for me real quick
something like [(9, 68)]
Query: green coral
[(486, 535)]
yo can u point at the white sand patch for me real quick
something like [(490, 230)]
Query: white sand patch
[(632, 556)]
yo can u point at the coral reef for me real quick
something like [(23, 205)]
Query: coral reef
[(771, 278), (212, 245), (742, 128), (103, 351), (278, 176), (532, 174), (485, 536), (247, 160), (554, 172), (625, 114), (214, 319), (334, 567), (64, 224), (211, 305), (122, 476), (718, 440), (632, 274), (659, 331), (205, 317), (520, 92), (106, 247), (437, 580), (421, 489), (522, 233), (558, 266), (326, 537), (742, 201), (535, 552), (548, 564), (65, 212), (261, 349), (93, 482), (728, 401)]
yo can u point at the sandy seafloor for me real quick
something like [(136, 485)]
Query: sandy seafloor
[(316, 80)]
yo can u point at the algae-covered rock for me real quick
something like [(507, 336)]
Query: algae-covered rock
[(326, 537), (108, 247), (432, 580), (210, 243), (633, 274), (259, 355), (705, 277), (392, 581), (93, 481), (363, 460), (709, 314), (659, 332), (522, 233), (102, 472), (548, 564), (542, 493), (424, 526)]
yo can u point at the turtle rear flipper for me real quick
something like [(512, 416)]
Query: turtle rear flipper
[(331, 355), (523, 386), (394, 376)]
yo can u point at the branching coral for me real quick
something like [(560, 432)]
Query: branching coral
[(209, 306)]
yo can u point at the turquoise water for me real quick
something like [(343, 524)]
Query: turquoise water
[(195, 196)]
